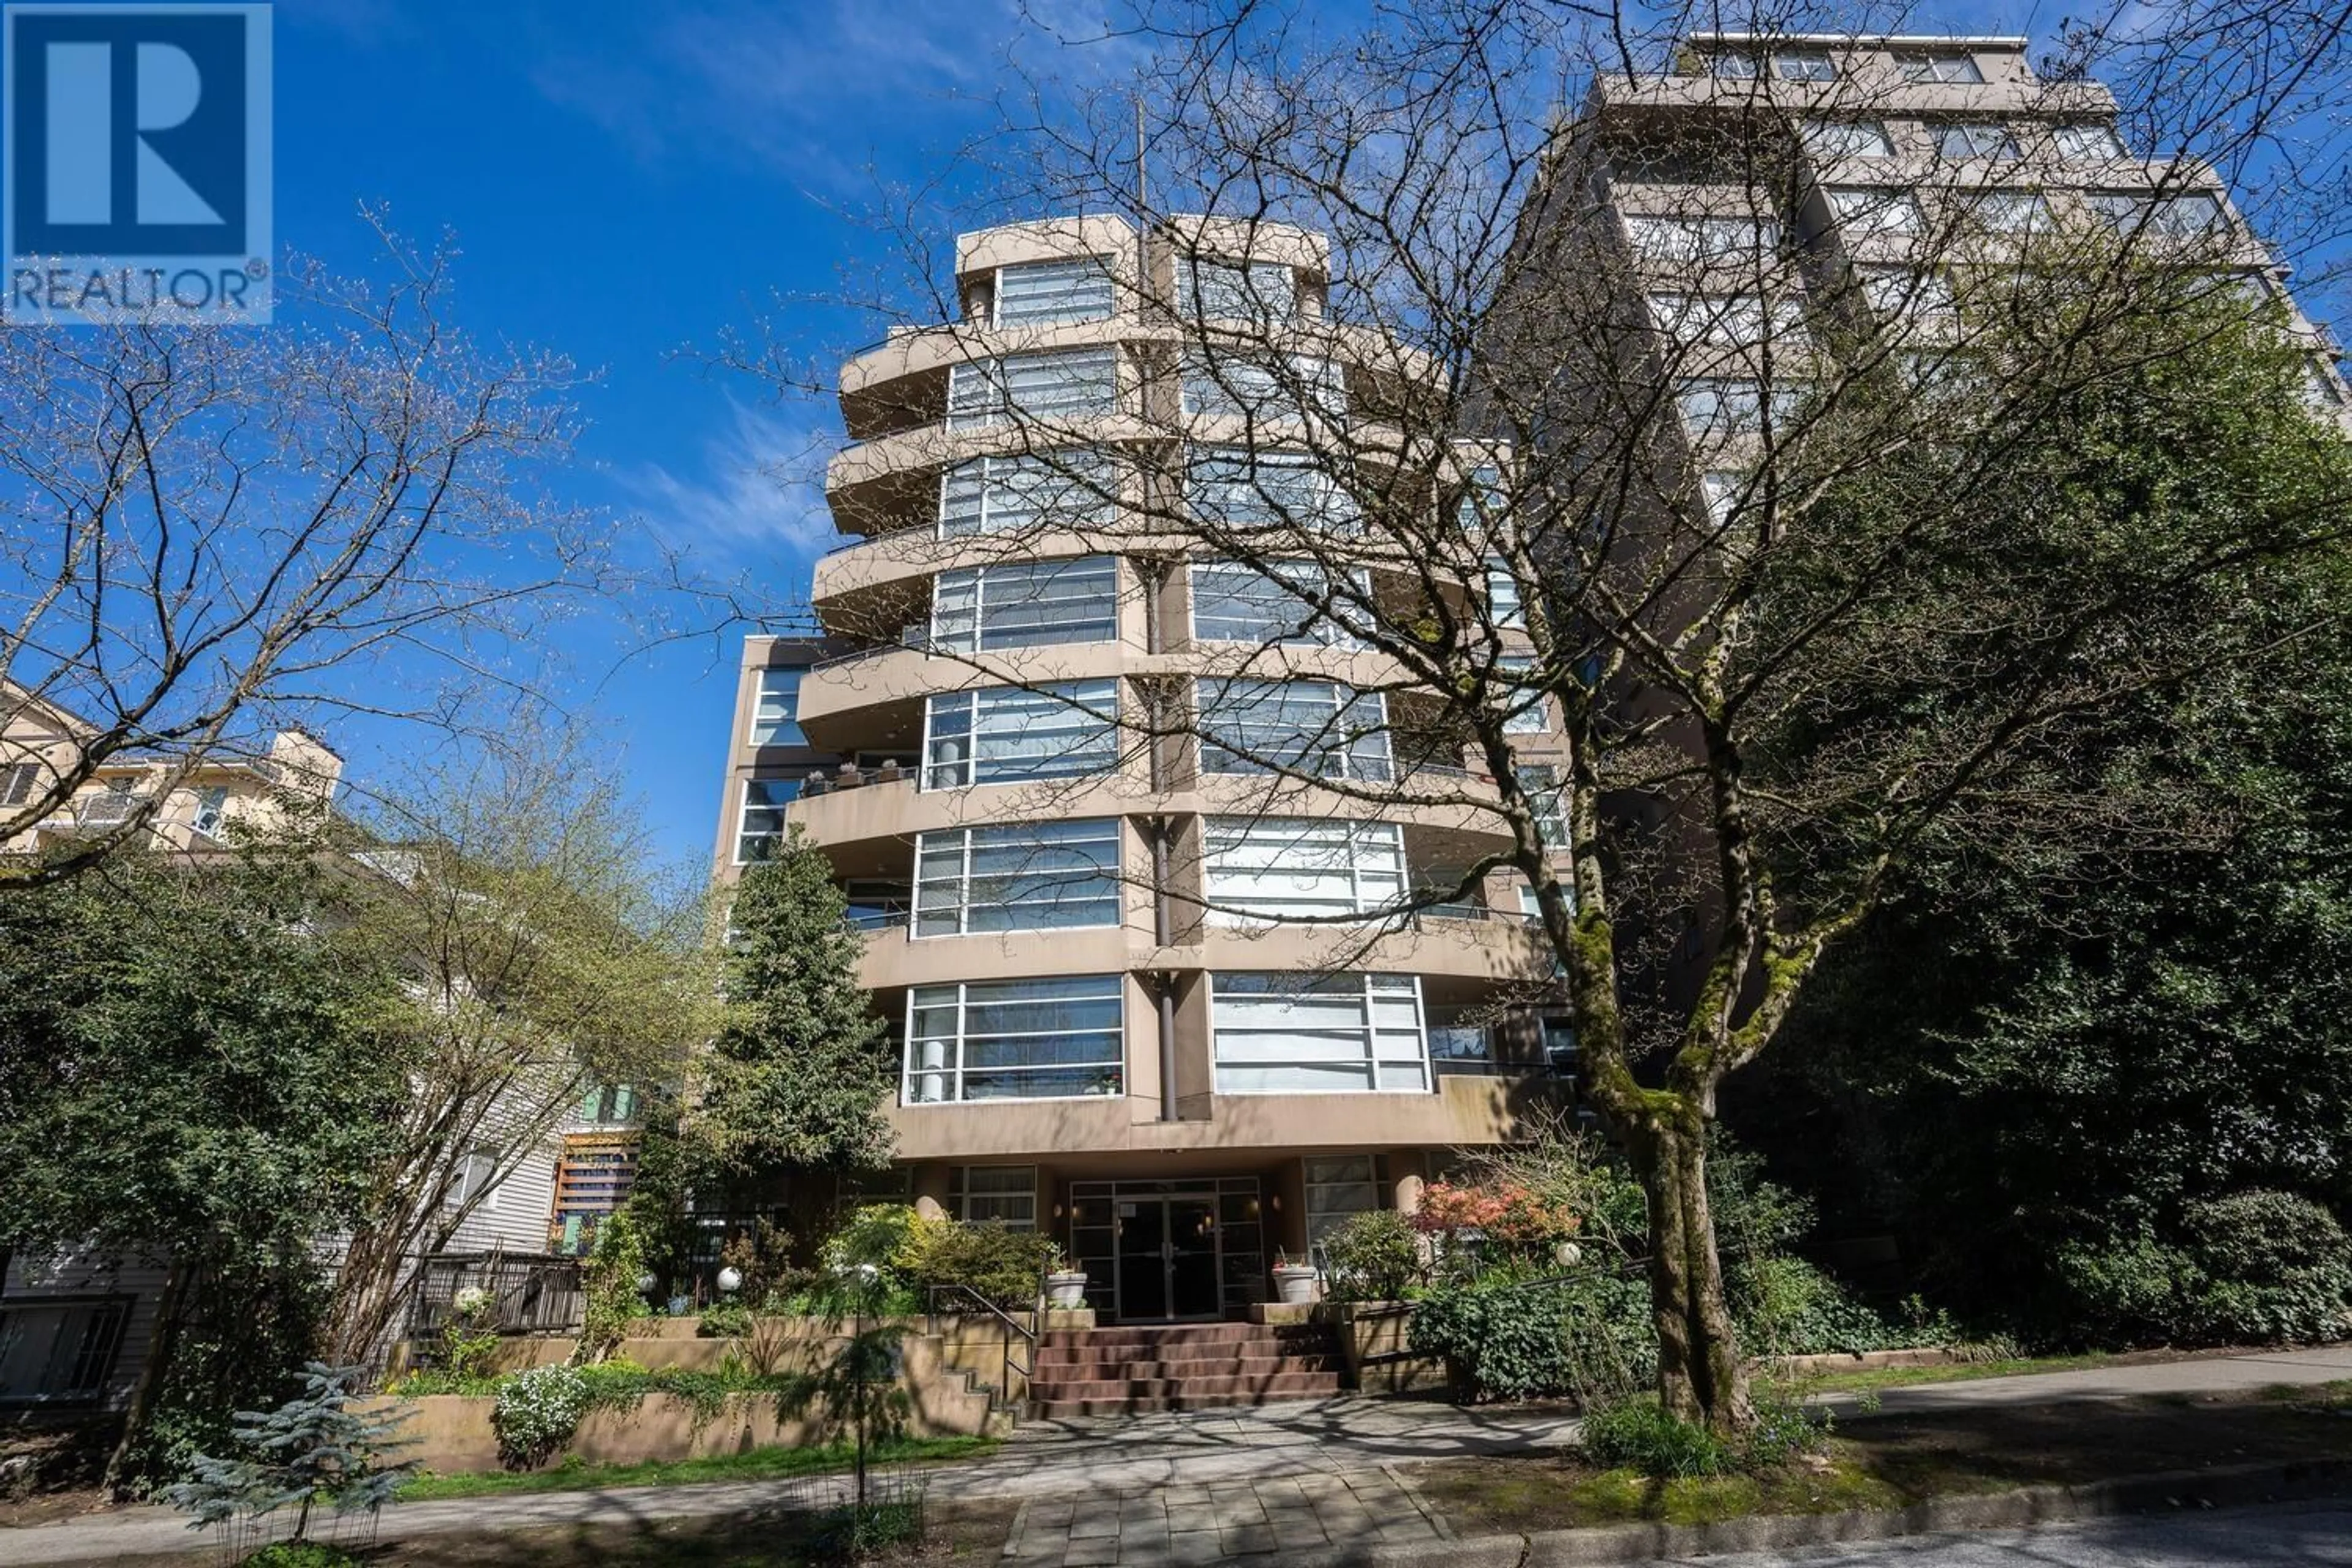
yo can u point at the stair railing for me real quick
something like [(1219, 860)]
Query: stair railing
[(1013, 1331)]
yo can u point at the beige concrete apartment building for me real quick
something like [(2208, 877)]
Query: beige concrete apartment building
[(189, 807), (1106, 1030)]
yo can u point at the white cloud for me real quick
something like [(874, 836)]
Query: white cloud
[(761, 488)]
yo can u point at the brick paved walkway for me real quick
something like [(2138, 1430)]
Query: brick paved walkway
[(1223, 1521)]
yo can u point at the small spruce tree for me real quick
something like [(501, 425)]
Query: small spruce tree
[(311, 1449)]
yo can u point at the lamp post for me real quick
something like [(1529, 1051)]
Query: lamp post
[(866, 1274)]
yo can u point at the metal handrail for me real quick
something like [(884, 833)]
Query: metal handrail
[(1003, 1390)]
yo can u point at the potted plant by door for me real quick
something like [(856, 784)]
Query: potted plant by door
[(1066, 1288), (1294, 1283)]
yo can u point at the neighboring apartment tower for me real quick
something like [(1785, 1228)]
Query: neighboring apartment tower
[(1915, 167), (1176, 1096)]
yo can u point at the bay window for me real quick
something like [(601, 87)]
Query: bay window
[(1239, 488), (1035, 293), (1316, 1034), (981, 609), (1235, 291), (1273, 602), (1068, 384), (1865, 213), (1042, 876), (1319, 727), (1015, 1039), (1007, 734), (1261, 386), (1075, 486), (1272, 867)]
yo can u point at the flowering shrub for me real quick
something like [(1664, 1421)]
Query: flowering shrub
[(1509, 1214), (537, 1412)]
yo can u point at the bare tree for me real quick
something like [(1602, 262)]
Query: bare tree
[(540, 953), (1747, 453), (206, 534)]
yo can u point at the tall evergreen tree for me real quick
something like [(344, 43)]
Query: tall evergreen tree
[(798, 1078)]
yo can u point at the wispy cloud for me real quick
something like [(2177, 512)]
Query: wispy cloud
[(813, 88), (761, 490)]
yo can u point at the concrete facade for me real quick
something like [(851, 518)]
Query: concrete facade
[(1159, 1133)]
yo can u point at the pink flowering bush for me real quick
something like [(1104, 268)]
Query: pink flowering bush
[(1507, 1214)]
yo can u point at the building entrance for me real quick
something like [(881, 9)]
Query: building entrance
[(1172, 1251)]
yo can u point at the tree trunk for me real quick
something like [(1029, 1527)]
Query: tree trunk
[(367, 1298), (1702, 1377), (160, 1343)]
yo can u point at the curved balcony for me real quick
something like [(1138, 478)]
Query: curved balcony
[(1441, 946), (886, 807), (1463, 1111)]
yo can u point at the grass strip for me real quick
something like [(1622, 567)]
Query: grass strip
[(752, 1465)]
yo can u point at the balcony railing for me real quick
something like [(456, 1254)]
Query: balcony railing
[(846, 777)]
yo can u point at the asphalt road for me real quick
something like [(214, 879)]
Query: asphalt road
[(2318, 1534)]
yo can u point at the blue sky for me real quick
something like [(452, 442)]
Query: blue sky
[(623, 180)]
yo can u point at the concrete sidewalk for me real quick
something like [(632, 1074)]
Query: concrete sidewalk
[(1222, 1462)]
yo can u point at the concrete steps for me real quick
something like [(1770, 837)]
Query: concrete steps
[(1128, 1370)]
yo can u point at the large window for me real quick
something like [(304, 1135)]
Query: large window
[(1503, 601), (1337, 1186), (1735, 320), (1011, 735), (994, 1194), (1312, 1034), (760, 830), (16, 781), (1014, 1039), (1939, 65), (2180, 216), (1847, 139), (1036, 292), (1234, 488), (775, 709), (1866, 213), (1042, 876), (981, 609), (1897, 291), (2009, 212), (1074, 487), (1301, 726), (1521, 699), (1275, 867), (1687, 241), (1259, 387), (59, 1350), (1961, 140), (2086, 144), (1069, 385), (1548, 798), (1232, 291), (1272, 602), (1714, 409)]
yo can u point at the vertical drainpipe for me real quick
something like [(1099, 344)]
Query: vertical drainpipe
[(1165, 982)]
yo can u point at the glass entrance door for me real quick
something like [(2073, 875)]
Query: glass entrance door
[(1142, 1258), (1168, 1249), (1195, 1256), (1170, 1263)]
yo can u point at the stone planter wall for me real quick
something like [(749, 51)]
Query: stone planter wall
[(1373, 1341), (454, 1433)]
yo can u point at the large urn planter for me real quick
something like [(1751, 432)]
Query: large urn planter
[(1294, 1284), (1066, 1290)]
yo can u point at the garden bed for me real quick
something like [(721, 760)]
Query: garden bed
[(1886, 1462)]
